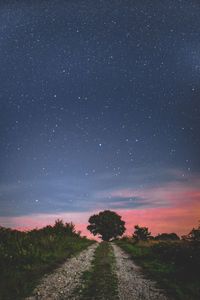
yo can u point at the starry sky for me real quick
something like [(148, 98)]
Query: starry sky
[(99, 109)]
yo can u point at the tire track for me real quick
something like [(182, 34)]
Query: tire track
[(61, 283), (131, 283)]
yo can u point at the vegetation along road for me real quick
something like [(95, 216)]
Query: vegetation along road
[(131, 282), (57, 263), (61, 283), (103, 271)]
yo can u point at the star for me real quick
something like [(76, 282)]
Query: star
[(96, 103)]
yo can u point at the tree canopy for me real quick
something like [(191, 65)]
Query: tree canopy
[(107, 224)]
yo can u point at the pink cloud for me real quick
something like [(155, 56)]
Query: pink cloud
[(172, 194), (180, 220), (40, 220), (171, 219), (173, 207)]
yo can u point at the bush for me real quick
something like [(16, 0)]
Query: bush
[(167, 237), (26, 256), (175, 265), (141, 233)]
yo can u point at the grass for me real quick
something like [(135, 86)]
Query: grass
[(26, 256), (100, 282), (174, 265)]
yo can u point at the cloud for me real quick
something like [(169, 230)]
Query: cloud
[(180, 219), (171, 206), (28, 222), (171, 219), (169, 194), (164, 200)]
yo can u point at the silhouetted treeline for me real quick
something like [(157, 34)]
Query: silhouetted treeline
[(143, 234)]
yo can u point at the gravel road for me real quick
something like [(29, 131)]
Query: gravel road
[(60, 284), (131, 283)]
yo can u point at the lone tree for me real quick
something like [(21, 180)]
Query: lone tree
[(107, 224), (141, 233)]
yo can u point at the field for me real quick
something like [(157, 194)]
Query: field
[(26, 256), (174, 265)]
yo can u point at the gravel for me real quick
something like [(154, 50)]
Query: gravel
[(60, 284), (131, 283)]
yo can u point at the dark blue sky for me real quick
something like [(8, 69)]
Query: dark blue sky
[(95, 97)]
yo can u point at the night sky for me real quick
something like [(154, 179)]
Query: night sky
[(100, 109)]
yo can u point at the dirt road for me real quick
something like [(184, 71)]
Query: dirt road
[(131, 283), (62, 282)]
